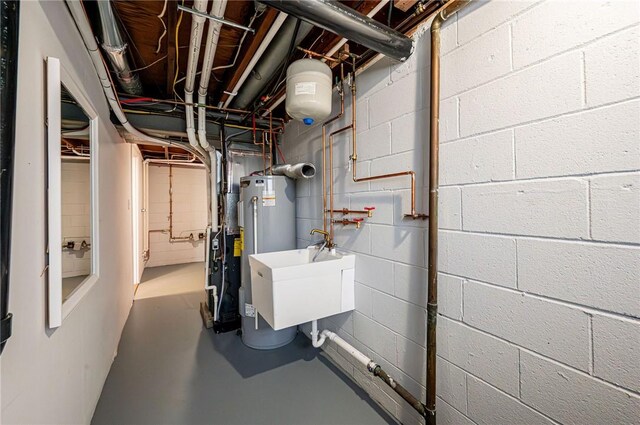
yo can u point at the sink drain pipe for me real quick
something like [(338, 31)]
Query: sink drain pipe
[(319, 338)]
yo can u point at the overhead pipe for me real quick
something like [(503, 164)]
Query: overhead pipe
[(275, 27), (195, 40), (116, 49), (347, 22), (330, 53), (10, 23), (271, 60), (79, 16), (434, 144), (218, 8)]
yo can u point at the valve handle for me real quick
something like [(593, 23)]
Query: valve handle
[(358, 219), (369, 208)]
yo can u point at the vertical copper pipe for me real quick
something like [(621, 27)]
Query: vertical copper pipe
[(434, 144), (324, 148), (432, 279)]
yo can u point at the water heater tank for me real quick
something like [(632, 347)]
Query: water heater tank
[(308, 90)]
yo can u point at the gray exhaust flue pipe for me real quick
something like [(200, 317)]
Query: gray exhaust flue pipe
[(348, 23), (302, 170)]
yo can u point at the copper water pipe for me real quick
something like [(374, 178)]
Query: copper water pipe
[(434, 143), (324, 159), (354, 155), (345, 211), (318, 55)]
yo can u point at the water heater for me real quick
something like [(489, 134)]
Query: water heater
[(308, 90), (267, 218)]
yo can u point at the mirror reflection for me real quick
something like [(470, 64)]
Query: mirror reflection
[(76, 194)]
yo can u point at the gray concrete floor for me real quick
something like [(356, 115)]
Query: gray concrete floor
[(171, 370)]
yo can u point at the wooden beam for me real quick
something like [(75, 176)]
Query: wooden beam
[(172, 19), (269, 17), (404, 5)]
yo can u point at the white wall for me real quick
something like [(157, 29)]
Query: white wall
[(56, 376), (189, 214), (539, 290), (76, 213)]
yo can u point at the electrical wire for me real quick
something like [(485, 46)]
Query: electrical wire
[(253, 18), (164, 32), (175, 74), (150, 65)]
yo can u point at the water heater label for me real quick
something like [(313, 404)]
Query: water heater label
[(249, 310), (268, 198), (237, 247), (305, 88), (259, 182)]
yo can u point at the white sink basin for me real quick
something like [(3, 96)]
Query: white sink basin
[(288, 288)]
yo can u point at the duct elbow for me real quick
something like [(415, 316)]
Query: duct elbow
[(302, 170)]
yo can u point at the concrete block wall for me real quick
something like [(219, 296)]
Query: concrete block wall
[(539, 262), (76, 213), (189, 214)]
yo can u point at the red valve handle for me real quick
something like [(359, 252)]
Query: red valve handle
[(369, 208), (358, 219)]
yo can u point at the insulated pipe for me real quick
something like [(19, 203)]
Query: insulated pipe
[(218, 8), (344, 21), (197, 26), (116, 49), (302, 170), (267, 68), (80, 18), (256, 56)]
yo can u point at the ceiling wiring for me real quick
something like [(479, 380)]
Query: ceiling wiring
[(164, 32)]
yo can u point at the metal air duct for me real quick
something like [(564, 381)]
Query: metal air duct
[(302, 170), (116, 49), (348, 23)]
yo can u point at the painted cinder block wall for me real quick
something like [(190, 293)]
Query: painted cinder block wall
[(189, 214), (539, 260)]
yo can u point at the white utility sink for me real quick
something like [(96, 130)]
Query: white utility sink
[(288, 288)]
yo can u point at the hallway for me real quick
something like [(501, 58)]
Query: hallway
[(171, 370)]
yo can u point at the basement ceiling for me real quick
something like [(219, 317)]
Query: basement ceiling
[(157, 36)]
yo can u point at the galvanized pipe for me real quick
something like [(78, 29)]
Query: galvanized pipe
[(116, 49), (344, 21)]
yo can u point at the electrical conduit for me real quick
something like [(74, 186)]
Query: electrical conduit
[(218, 8), (197, 26), (80, 18)]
